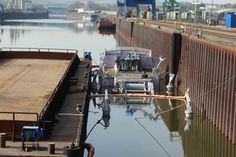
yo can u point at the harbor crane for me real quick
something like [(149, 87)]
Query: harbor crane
[(135, 3)]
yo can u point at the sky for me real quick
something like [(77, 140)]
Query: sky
[(214, 1), (158, 1)]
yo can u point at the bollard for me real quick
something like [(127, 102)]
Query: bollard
[(51, 148), (170, 86), (3, 138)]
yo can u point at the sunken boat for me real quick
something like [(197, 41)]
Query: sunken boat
[(126, 70)]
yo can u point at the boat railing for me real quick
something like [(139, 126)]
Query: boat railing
[(55, 91), (135, 80), (24, 49), (14, 118)]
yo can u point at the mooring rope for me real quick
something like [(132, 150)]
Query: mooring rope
[(211, 90), (98, 122), (204, 94), (154, 138)]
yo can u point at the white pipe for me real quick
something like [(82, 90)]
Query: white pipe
[(188, 111)]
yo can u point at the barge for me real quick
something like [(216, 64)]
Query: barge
[(43, 87), (29, 81), (105, 24)]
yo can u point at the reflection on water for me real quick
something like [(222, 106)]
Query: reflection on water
[(76, 26), (136, 129), (18, 28), (198, 136), (140, 130), (55, 33)]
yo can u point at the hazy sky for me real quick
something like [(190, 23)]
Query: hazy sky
[(158, 1), (215, 1)]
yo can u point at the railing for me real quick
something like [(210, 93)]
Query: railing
[(14, 114), (23, 49)]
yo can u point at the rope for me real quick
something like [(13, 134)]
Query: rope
[(155, 139), (98, 122), (219, 85), (204, 94)]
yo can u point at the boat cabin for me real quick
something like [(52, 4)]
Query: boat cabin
[(128, 59)]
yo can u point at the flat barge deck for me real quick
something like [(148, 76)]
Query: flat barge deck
[(26, 85), (44, 89)]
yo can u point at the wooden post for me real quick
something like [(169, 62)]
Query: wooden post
[(3, 138), (51, 148)]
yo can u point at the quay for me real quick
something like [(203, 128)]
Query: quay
[(43, 88)]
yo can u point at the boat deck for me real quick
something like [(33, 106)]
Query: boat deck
[(70, 126), (26, 85)]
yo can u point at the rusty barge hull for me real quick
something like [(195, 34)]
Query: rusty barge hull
[(32, 85)]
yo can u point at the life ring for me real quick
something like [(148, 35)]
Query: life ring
[(90, 149)]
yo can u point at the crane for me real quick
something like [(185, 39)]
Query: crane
[(136, 3)]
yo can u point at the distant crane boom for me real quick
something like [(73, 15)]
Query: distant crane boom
[(136, 3)]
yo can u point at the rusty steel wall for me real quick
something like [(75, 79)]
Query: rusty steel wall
[(155, 40), (123, 29), (203, 139), (208, 69)]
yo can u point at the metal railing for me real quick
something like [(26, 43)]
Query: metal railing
[(24, 49), (14, 114), (42, 113)]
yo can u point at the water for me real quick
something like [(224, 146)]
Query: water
[(149, 135), (50, 33), (142, 133)]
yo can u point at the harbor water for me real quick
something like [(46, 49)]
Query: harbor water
[(134, 129)]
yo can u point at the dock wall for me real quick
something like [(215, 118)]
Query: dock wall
[(207, 68)]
